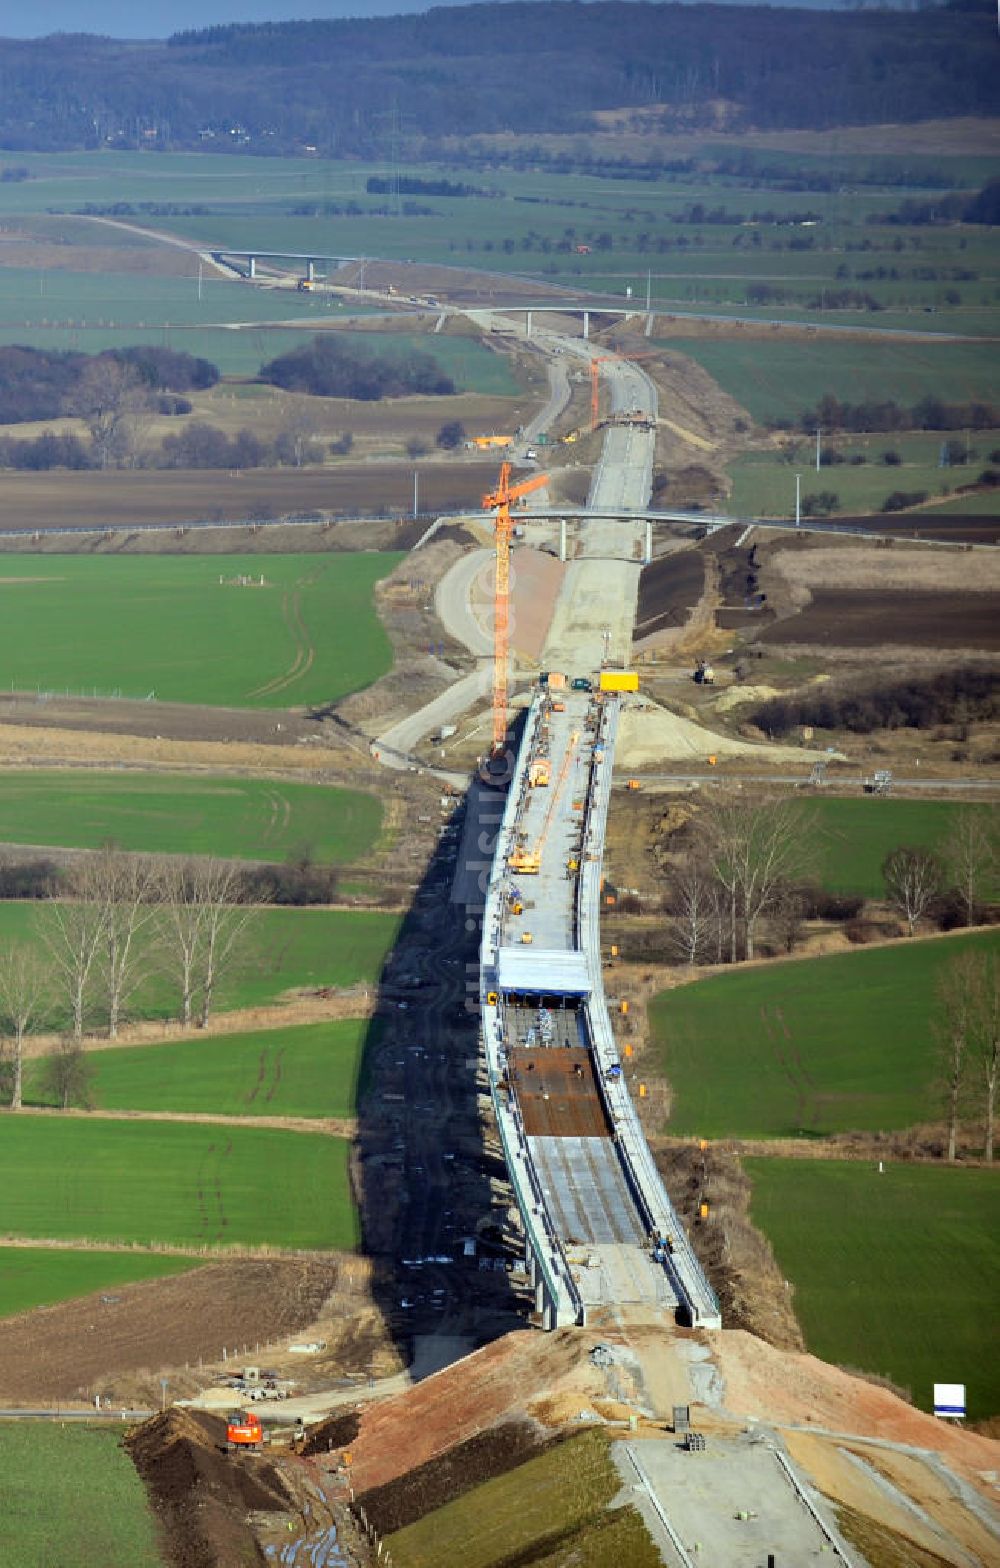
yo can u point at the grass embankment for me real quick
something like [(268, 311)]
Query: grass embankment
[(40, 1276), (855, 835), (174, 1183), (173, 814), (71, 1496), (550, 1510), (893, 1273), (764, 483), (284, 950), (311, 1070), (806, 1048), (187, 630)]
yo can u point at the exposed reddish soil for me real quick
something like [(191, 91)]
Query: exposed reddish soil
[(868, 619), (557, 1093), (410, 1429), (79, 1348)]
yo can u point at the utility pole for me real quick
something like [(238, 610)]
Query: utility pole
[(199, 278), (416, 493), (649, 290), (818, 448), (798, 505)]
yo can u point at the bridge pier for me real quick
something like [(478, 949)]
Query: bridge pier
[(649, 541), (586, 325), (527, 323), (251, 266), (562, 538), (311, 271)]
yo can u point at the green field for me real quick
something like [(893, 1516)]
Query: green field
[(177, 1183), (176, 814), (553, 1504), (894, 1273), (285, 949), (764, 482), (780, 380), (40, 1276), (307, 1070), (808, 1047), (180, 628), (854, 836), (72, 1498)]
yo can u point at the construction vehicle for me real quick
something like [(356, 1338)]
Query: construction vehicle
[(243, 1430), (704, 674), (539, 772), (633, 784), (305, 285), (582, 683), (487, 443), (528, 859), (497, 768)]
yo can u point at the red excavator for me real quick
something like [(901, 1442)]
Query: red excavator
[(244, 1430)]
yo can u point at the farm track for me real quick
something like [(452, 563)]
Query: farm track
[(327, 1126)]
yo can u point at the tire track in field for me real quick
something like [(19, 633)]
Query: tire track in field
[(305, 654), (789, 1059)]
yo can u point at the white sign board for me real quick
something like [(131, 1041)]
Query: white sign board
[(949, 1400)]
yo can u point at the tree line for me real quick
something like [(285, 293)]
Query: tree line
[(120, 919), (38, 383), (276, 87), (964, 694), (930, 413), (329, 366)]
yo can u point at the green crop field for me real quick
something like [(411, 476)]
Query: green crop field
[(780, 379), (183, 630), (179, 1183), (307, 1070), (764, 482), (72, 1498), (253, 819), (555, 1503), (808, 1047), (284, 949), (40, 1276), (894, 1273), (854, 836)]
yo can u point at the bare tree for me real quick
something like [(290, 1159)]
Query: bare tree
[(73, 931), (127, 887), (297, 442), (983, 980), (951, 1024), (113, 403), (754, 846), (913, 879), (694, 910), (24, 997), (204, 918), (970, 856), (67, 1075)]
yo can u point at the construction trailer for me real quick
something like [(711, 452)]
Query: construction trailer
[(619, 680)]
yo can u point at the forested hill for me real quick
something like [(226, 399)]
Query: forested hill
[(531, 68)]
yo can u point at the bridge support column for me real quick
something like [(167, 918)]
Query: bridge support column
[(311, 271), (527, 323), (530, 1266), (649, 541), (562, 538), (252, 267), (542, 1302), (586, 325)]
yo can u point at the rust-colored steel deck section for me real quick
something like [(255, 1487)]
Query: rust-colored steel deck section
[(557, 1093)]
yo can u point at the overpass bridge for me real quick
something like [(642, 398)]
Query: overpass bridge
[(599, 1228)]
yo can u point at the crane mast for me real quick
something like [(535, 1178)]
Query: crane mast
[(498, 501)]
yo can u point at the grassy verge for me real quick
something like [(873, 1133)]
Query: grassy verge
[(549, 1510), (893, 1273), (309, 1070), (254, 819), (110, 627), (174, 1183), (855, 835), (40, 1276), (72, 1497), (806, 1048)]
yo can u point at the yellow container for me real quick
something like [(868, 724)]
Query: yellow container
[(619, 680)]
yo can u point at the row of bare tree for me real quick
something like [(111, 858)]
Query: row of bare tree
[(746, 857), (122, 919), (967, 1027)]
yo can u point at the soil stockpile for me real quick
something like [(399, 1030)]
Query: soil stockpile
[(200, 1495)]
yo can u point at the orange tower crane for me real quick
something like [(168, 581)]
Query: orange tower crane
[(498, 501)]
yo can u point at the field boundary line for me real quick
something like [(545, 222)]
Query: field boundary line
[(325, 1126)]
